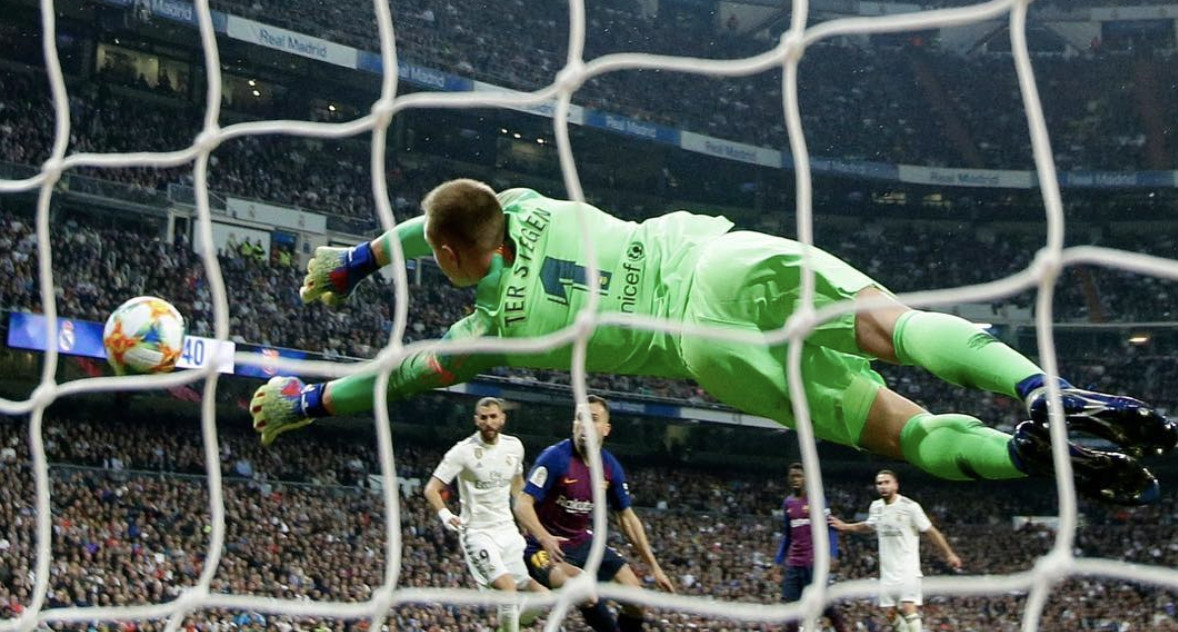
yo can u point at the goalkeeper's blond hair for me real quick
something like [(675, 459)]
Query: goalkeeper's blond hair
[(464, 213)]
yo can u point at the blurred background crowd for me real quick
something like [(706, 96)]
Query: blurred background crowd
[(131, 526), (305, 519)]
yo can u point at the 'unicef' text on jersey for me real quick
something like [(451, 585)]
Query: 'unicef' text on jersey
[(631, 278)]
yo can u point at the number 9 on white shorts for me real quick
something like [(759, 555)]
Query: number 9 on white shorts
[(490, 554)]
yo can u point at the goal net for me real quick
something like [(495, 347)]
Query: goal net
[(1058, 565)]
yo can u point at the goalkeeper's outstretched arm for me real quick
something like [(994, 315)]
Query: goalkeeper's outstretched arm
[(419, 372), (333, 273), (286, 403)]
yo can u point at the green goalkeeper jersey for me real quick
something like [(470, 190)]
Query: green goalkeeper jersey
[(644, 269)]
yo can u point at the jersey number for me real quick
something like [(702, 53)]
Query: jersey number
[(558, 275)]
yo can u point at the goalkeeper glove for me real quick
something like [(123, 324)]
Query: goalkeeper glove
[(285, 404), (333, 273)]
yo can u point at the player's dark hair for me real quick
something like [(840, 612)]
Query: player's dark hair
[(464, 213), (795, 466), (597, 399), (889, 473)]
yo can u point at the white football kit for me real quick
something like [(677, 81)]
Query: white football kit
[(898, 526), (491, 542)]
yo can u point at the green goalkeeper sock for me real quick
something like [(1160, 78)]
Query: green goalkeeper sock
[(958, 352), (350, 395), (957, 447)]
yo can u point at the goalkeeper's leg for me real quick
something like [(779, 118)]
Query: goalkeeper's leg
[(955, 447), (959, 447), (956, 351)]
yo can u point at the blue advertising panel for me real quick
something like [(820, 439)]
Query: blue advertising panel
[(75, 337), (1118, 179), (84, 338), (631, 127), (263, 371)]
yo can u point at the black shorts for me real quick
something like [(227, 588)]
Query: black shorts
[(795, 581), (540, 564)]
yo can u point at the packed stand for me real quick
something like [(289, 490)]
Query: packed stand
[(856, 105), (130, 527), (878, 88), (98, 268)]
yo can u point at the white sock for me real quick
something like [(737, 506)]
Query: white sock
[(509, 618), (913, 621)]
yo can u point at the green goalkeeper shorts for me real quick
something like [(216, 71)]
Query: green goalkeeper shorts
[(751, 282)]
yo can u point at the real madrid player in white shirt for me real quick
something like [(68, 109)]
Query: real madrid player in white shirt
[(899, 521), (489, 468)]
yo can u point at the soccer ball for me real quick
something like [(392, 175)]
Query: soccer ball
[(144, 335)]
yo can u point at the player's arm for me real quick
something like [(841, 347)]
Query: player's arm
[(547, 470), (333, 273), (517, 487), (921, 521), (285, 403), (833, 537), (411, 235), (419, 372), (433, 495), (783, 549), (848, 527), (517, 477), (525, 514), (631, 526), (635, 533), (942, 544), (445, 473)]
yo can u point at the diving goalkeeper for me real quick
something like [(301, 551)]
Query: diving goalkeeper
[(525, 255)]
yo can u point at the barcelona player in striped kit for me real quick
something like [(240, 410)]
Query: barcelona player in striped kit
[(797, 546), (556, 509)]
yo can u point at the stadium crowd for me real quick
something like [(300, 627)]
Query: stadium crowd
[(859, 101), (99, 267), (131, 510), (857, 104), (131, 526)]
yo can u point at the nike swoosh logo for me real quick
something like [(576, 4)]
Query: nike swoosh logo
[(570, 481)]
